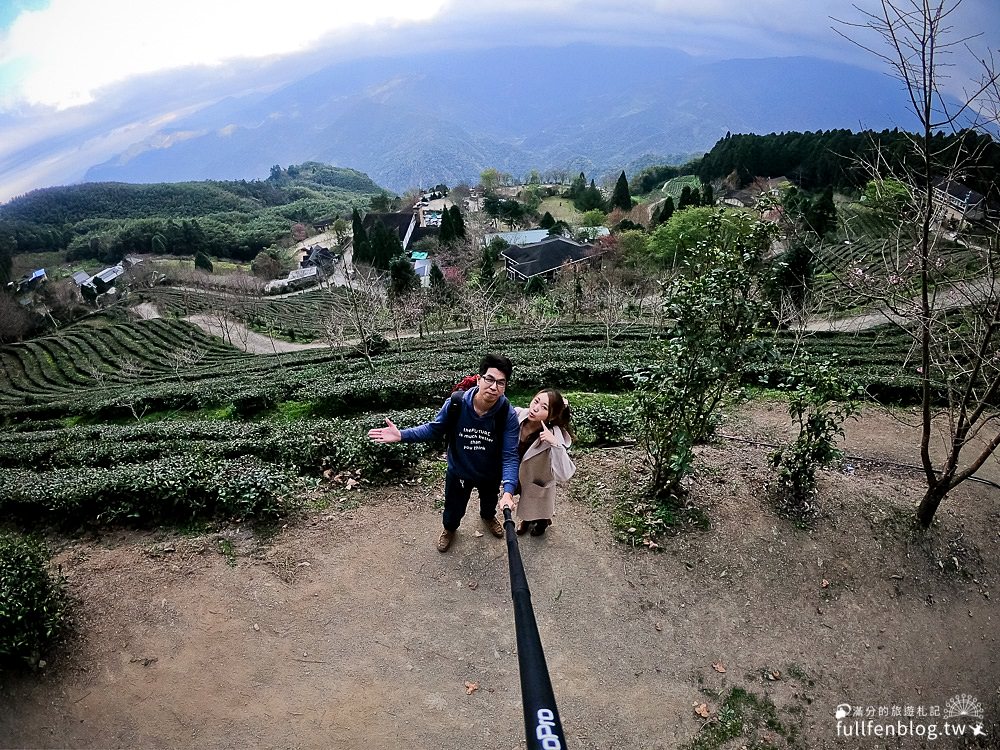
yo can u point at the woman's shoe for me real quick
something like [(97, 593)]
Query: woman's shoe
[(539, 527), (523, 527)]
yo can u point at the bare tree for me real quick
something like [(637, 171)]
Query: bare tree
[(362, 312), (132, 370), (612, 301), (954, 320), (535, 311), (485, 302)]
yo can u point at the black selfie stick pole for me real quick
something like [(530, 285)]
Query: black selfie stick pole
[(542, 727)]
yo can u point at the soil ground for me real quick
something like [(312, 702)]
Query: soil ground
[(348, 629)]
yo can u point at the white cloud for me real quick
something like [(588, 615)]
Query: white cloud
[(71, 49)]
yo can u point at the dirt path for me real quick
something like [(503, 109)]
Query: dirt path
[(232, 332), (947, 297), (238, 335), (349, 630), (146, 311)]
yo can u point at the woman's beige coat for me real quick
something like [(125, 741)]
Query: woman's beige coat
[(542, 467)]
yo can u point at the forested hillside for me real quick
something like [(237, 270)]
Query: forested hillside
[(834, 158), (225, 219)]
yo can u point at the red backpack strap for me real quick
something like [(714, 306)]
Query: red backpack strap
[(469, 381)]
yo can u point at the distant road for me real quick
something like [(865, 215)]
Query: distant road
[(949, 297)]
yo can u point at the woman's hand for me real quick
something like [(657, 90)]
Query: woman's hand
[(547, 437), (388, 434)]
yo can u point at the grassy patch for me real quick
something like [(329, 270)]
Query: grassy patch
[(221, 413), (52, 262), (562, 209), (294, 410), (744, 714), (642, 520), (227, 550), (195, 527)]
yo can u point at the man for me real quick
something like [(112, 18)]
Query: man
[(478, 456)]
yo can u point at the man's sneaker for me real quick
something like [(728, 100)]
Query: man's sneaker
[(494, 526), (444, 541)]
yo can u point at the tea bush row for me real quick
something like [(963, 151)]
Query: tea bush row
[(33, 602)]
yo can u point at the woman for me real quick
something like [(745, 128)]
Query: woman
[(542, 442)]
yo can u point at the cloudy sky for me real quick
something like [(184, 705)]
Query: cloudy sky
[(81, 79)]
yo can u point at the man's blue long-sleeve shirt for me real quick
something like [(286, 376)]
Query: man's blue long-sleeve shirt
[(471, 456)]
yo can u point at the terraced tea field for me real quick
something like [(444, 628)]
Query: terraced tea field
[(302, 317), (869, 245)]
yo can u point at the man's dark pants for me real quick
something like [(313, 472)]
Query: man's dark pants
[(456, 499)]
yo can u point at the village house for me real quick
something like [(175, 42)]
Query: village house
[(401, 222), (958, 203), (543, 259), (300, 278), (30, 282), (102, 284), (523, 237), (320, 257)]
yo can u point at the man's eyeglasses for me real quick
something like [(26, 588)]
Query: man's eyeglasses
[(490, 380)]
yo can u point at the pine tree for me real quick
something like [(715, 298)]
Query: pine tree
[(695, 197), (621, 198), (6, 261), (384, 244), (457, 222), (446, 235), (402, 278), (667, 209), (707, 195), (547, 221), (437, 277), (822, 214), (685, 200), (362, 247), (590, 199), (203, 262)]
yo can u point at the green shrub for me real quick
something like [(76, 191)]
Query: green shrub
[(32, 602), (601, 419), (820, 400), (173, 489)]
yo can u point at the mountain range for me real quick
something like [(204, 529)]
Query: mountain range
[(418, 120)]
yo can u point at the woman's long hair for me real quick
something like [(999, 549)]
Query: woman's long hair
[(559, 412)]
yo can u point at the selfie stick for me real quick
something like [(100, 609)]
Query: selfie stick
[(542, 727)]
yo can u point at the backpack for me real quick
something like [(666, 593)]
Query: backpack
[(469, 381)]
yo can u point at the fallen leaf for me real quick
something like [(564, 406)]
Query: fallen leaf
[(702, 710), (774, 674), (825, 583), (471, 687), (473, 585), (658, 627), (478, 533), (352, 483), (717, 666)]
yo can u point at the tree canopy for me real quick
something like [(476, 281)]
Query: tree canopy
[(621, 197)]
